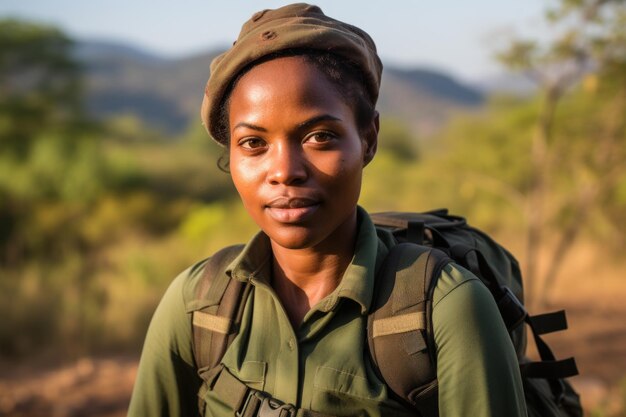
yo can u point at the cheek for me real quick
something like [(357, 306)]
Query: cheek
[(244, 176), (342, 179), (346, 166), (241, 174)]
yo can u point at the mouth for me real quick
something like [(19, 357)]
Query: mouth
[(292, 209)]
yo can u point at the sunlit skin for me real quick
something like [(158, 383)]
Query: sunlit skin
[(297, 159)]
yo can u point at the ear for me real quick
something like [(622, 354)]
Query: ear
[(370, 139)]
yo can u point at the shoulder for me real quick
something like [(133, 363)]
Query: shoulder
[(459, 282), (170, 320), (186, 283), (463, 305), (467, 324), (171, 323)]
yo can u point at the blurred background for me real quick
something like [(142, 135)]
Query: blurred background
[(512, 114)]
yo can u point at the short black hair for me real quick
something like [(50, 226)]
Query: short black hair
[(344, 75)]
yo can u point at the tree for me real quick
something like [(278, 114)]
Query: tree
[(585, 155), (46, 153), (39, 84)]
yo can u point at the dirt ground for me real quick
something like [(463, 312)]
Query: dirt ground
[(98, 387), (595, 301)]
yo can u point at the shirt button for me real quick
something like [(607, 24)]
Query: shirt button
[(291, 344)]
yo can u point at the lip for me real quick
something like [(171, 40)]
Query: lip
[(285, 209)]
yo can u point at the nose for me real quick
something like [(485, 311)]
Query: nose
[(287, 164)]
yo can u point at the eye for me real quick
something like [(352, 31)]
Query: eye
[(251, 143), (320, 137)]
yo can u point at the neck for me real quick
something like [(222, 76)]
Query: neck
[(302, 277)]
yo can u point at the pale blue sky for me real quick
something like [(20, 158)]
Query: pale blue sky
[(457, 36)]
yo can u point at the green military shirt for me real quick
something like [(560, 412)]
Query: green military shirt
[(323, 365)]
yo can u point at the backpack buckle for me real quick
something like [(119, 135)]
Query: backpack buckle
[(271, 407), (260, 404)]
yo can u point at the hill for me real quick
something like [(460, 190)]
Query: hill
[(166, 93)]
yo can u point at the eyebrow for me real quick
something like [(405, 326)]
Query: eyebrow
[(307, 123), (318, 119), (249, 126)]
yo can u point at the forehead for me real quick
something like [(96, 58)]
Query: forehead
[(285, 82), (295, 71)]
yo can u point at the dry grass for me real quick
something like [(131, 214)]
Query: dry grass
[(592, 289)]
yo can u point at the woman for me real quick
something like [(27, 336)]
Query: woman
[(294, 103)]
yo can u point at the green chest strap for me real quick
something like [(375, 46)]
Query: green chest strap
[(400, 324), (216, 322)]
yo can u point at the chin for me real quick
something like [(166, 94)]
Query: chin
[(295, 238)]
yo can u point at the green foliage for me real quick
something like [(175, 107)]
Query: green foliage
[(53, 170), (39, 85), (494, 145), (397, 139), (47, 149), (94, 221), (208, 227), (519, 54)]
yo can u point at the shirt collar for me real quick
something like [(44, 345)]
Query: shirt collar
[(357, 284), (253, 261)]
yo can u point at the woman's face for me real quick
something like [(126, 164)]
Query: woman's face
[(296, 156)]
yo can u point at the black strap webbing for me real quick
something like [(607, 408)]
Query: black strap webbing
[(549, 322), (549, 369)]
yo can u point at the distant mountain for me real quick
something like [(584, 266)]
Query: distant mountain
[(425, 99), (437, 84), (101, 50), (166, 93)]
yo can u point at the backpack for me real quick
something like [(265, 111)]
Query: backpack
[(400, 335)]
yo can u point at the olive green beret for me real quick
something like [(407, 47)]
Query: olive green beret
[(289, 27)]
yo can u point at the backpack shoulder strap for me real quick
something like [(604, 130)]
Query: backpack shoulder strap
[(220, 302), (400, 336)]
